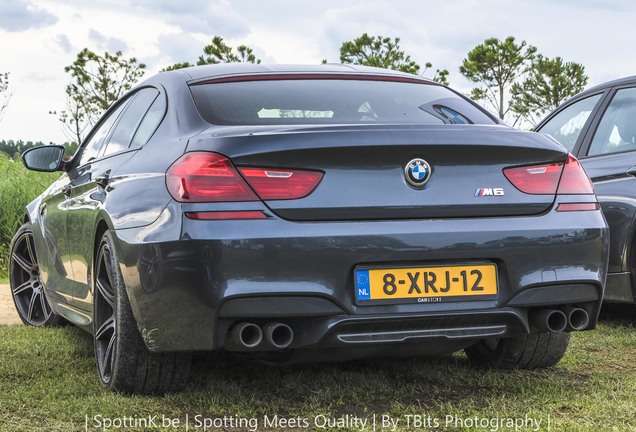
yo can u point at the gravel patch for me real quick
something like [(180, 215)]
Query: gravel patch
[(8, 315)]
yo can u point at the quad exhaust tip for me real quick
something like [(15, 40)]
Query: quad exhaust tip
[(248, 336), (278, 335), (578, 318), (554, 320), (551, 320)]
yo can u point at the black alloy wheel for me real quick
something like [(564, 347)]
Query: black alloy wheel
[(105, 319), (124, 362), (26, 284)]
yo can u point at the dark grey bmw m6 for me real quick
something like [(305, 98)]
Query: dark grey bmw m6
[(308, 213)]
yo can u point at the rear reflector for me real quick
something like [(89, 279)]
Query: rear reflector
[(549, 179), (220, 215), (568, 207), (276, 184)]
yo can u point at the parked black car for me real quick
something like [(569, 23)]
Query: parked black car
[(599, 127), (307, 213)]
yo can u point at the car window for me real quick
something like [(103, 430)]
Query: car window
[(130, 120), (149, 123), (567, 125), (616, 131), (333, 101), (98, 136)]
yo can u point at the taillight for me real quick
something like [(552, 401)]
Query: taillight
[(206, 177), (535, 179), (549, 179), (574, 180), (273, 184), (211, 177)]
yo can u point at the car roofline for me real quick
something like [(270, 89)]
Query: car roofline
[(218, 71), (609, 84)]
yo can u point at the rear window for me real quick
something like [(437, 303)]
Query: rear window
[(332, 101)]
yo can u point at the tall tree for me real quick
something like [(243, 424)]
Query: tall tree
[(220, 52), (384, 52), (96, 82), (378, 51), (549, 83), (5, 93), (495, 65)]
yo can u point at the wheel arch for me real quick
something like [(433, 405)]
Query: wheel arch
[(630, 257), (101, 227)]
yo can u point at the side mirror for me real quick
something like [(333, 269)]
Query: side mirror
[(44, 158)]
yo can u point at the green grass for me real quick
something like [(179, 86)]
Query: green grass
[(18, 187), (48, 383)]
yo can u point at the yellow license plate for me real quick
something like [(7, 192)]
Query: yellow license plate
[(425, 284)]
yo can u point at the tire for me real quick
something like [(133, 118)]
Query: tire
[(532, 351), (124, 363), (26, 284)]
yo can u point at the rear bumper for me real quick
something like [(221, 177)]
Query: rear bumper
[(190, 282)]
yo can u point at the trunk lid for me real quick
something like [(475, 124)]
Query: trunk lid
[(364, 168)]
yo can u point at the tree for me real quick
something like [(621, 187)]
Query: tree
[(177, 66), (11, 147), (96, 82), (496, 65), (440, 76), (377, 51), (5, 93), (383, 52), (220, 52), (549, 83)]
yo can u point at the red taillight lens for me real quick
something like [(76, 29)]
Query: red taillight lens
[(535, 179), (574, 180), (549, 179), (206, 177), (274, 184), (211, 177)]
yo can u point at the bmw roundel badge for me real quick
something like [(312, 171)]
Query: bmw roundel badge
[(417, 172)]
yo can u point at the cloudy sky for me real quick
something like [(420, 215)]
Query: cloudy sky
[(38, 38)]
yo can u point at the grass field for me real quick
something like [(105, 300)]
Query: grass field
[(48, 383), (18, 186)]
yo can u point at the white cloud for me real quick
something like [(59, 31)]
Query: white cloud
[(20, 15), (596, 33), (180, 47), (63, 41), (198, 16), (378, 17), (110, 44)]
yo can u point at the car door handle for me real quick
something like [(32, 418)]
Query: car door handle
[(631, 171), (66, 190), (103, 179), (42, 209)]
